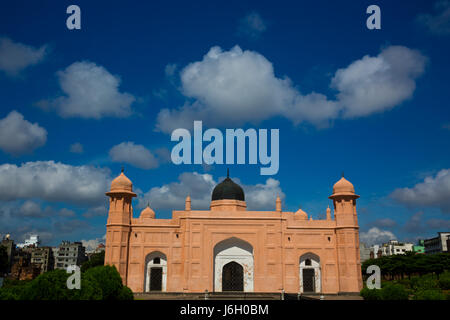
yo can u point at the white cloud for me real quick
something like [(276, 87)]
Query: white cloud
[(432, 192), (252, 25), (98, 211), (263, 196), (15, 57), (134, 154), (70, 226), (384, 223), (64, 212), (90, 92), (439, 23), (76, 148), (33, 209), (19, 136), (374, 84), (92, 244), (236, 87), (172, 196), (376, 236), (54, 181)]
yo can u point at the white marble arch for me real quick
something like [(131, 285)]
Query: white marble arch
[(314, 261), (239, 251), (149, 263)]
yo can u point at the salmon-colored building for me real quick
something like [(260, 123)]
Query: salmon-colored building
[(229, 248)]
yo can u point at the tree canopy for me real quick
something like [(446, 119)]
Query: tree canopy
[(399, 266), (97, 283)]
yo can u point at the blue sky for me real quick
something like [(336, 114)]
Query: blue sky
[(76, 105)]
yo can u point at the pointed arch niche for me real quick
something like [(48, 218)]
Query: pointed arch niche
[(310, 273), (155, 272), (237, 251)]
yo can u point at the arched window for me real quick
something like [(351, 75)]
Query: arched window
[(157, 260), (307, 262)]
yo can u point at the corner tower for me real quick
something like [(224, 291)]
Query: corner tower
[(347, 236), (118, 225)]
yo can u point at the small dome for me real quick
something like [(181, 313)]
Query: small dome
[(122, 183), (301, 214), (147, 213), (343, 186), (227, 189)]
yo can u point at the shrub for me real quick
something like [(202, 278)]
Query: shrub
[(424, 282), (371, 294), (97, 259), (404, 282), (88, 291), (48, 286), (9, 294), (126, 294), (429, 294), (108, 280), (444, 281), (102, 282), (394, 292)]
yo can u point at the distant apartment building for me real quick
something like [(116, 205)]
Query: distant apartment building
[(33, 241), (419, 247), (10, 250), (439, 244), (22, 268), (390, 248), (43, 257), (364, 251), (395, 247), (100, 248), (70, 253)]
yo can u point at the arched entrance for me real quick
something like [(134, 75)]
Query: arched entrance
[(233, 261), (310, 275), (232, 277), (155, 272)]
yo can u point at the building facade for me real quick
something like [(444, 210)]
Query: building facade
[(22, 268), (395, 247), (229, 248), (43, 256), (364, 252), (33, 241), (438, 244), (419, 248), (69, 253), (10, 250)]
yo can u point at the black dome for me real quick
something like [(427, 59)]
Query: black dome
[(227, 189)]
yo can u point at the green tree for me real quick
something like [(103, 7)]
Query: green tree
[(429, 294), (394, 292), (101, 282), (48, 286), (108, 279), (371, 294), (97, 259)]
